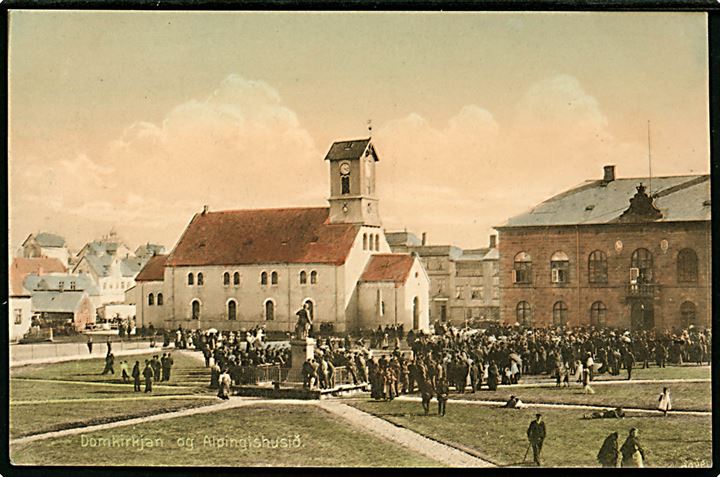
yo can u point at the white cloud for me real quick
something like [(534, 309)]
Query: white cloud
[(241, 146), (461, 179)]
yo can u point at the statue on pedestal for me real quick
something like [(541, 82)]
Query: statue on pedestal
[(302, 327)]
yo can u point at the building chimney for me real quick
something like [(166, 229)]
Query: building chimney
[(609, 175), (424, 238), (493, 241), (205, 209)]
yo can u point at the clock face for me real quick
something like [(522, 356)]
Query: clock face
[(345, 168)]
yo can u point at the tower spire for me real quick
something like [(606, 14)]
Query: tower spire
[(369, 126)]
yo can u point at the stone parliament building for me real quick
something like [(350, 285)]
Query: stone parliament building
[(611, 252)]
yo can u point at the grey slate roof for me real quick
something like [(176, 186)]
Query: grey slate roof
[(56, 302), (45, 239), (679, 198), (149, 250), (437, 250), (402, 238), (350, 150), (129, 267), (52, 282)]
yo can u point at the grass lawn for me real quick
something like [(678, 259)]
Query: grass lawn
[(685, 396), (27, 419), (668, 372), (314, 438), (186, 370), (499, 435), (34, 390)]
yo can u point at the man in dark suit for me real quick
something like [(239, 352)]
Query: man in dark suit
[(149, 374), (536, 436), (136, 376)]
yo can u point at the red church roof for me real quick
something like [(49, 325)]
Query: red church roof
[(22, 267), (245, 237), (388, 267), (154, 270)]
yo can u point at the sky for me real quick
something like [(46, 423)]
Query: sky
[(133, 121)]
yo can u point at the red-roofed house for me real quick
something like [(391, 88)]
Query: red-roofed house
[(147, 294), (394, 288), (239, 268), (19, 303)]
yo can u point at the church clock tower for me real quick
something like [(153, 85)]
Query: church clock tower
[(353, 198)]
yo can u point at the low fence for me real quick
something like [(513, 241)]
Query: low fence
[(27, 352), (270, 373)]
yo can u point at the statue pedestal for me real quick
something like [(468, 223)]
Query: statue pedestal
[(302, 349)]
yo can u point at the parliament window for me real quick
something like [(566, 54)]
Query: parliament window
[(688, 313), (598, 312), (522, 268), (687, 266), (597, 267), (641, 264), (560, 313), (523, 313), (559, 268)]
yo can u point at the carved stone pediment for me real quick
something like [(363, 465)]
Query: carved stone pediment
[(641, 208)]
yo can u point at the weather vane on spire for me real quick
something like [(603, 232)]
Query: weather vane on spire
[(369, 126)]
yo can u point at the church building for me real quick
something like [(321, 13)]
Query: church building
[(236, 269)]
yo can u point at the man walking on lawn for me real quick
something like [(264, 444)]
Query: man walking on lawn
[(109, 362), (536, 436), (136, 376), (149, 374)]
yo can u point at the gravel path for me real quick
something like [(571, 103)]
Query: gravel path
[(412, 440), (586, 407)]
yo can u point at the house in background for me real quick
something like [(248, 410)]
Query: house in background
[(64, 282), (63, 309), (464, 284), (108, 245), (112, 274), (46, 245), (149, 250), (19, 297)]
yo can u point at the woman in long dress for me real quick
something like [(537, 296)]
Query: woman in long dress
[(664, 403), (633, 454), (224, 382)]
